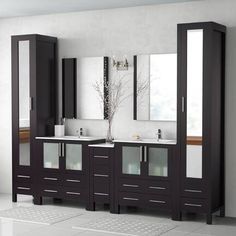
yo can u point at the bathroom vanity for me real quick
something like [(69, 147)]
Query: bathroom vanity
[(178, 176)]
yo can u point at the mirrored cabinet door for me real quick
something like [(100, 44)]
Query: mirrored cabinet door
[(194, 103), (73, 154), (51, 155), (131, 159), (24, 102), (158, 162)]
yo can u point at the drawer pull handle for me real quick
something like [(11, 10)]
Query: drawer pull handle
[(23, 176), (159, 188), (130, 198), (131, 185), (193, 191), (72, 193), (50, 191), (73, 180), (98, 175), (101, 194), (104, 157), (48, 178), (156, 201), (23, 188), (192, 205)]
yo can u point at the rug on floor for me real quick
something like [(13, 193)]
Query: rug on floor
[(125, 226), (39, 214)]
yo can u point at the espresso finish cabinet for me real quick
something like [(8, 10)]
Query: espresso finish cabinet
[(143, 176), (101, 176), (34, 66), (63, 170), (201, 71)]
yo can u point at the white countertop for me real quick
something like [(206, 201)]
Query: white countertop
[(147, 140), (105, 145), (71, 138)]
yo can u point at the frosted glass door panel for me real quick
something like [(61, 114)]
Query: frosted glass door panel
[(131, 160), (51, 155), (24, 104), (73, 156), (194, 100), (158, 162)]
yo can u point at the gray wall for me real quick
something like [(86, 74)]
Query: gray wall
[(127, 31)]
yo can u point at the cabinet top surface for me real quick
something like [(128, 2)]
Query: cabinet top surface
[(148, 141), (72, 138)]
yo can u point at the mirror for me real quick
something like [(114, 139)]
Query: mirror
[(24, 102), (154, 98), (194, 102), (81, 100)]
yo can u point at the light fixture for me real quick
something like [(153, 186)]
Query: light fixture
[(120, 65)]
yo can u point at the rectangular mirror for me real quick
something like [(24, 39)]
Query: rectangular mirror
[(24, 102), (84, 102), (155, 87)]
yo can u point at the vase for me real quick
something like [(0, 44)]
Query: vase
[(109, 138)]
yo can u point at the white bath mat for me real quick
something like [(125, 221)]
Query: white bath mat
[(124, 226), (38, 214)]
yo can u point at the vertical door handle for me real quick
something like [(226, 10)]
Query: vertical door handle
[(141, 153), (145, 153), (63, 150), (183, 104), (31, 106)]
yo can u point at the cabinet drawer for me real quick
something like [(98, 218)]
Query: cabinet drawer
[(101, 197), (157, 187), (101, 170), (48, 178), (193, 205), (158, 201), (23, 188), (131, 199), (101, 185), (193, 191), (73, 194), (23, 178), (51, 191), (101, 151), (131, 185), (74, 181)]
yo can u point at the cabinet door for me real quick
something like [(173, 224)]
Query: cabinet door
[(51, 155), (157, 161), (131, 160), (73, 156)]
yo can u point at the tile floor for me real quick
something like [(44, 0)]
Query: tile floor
[(191, 225)]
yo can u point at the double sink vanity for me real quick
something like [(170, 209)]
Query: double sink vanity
[(183, 89)]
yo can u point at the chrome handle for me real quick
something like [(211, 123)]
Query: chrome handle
[(145, 153), (159, 188), (183, 104), (23, 176), (59, 149), (23, 188), (104, 157), (131, 185), (73, 180), (101, 194), (63, 149), (141, 153), (193, 191), (50, 191), (156, 201), (193, 205), (48, 178), (72, 193), (98, 175), (130, 198)]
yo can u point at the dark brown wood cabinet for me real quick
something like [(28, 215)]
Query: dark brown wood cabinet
[(34, 73), (201, 79)]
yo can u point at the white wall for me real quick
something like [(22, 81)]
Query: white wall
[(128, 31)]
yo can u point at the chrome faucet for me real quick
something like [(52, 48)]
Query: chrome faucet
[(159, 135)]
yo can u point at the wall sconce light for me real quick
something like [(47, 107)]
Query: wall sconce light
[(120, 65)]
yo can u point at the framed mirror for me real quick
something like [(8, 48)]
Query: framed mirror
[(155, 87), (79, 79)]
